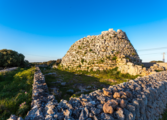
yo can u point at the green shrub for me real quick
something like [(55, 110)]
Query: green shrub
[(79, 66), (90, 50), (101, 61), (133, 54), (117, 52), (10, 58), (108, 57), (114, 58), (85, 53), (82, 61)]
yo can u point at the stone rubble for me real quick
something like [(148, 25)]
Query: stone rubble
[(144, 98)]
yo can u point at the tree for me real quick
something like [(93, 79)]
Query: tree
[(10, 58)]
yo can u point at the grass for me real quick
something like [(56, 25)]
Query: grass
[(159, 70), (164, 115), (15, 92), (74, 79), (100, 61)]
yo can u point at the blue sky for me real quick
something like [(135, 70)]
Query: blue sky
[(44, 30)]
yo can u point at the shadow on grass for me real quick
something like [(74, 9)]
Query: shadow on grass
[(81, 82)]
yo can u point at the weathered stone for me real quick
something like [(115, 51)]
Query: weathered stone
[(122, 103), (128, 115), (107, 108), (82, 115), (95, 118), (116, 95), (120, 114), (91, 114), (107, 92), (59, 116), (113, 103), (95, 110), (13, 117), (128, 94), (105, 116), (50, 111), (67, 113)]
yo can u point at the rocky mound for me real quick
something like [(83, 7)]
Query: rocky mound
[(100, 52)]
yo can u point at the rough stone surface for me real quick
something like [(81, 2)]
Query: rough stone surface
[(107, 108), (116, 95)]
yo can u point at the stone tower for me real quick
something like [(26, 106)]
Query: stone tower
[(100, 52)]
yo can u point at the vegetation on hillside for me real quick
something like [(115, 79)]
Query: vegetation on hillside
[(10, 58), (15, 92), (48, 63), (154, 61)]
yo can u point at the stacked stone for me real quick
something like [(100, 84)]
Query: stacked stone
[(159, 66), (97, 52), (144, 98), (140, 99), (9, 69), (40, 95), (133, 69)]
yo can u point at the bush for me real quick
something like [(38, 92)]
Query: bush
[(51, 62), (90, 50), (82, 61), (10, 58), (114, 58), (133, 54)]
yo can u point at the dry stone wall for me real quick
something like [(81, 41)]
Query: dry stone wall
[(100, 52), (144, 98), (9, 69), (133, 69), (159, 66)]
